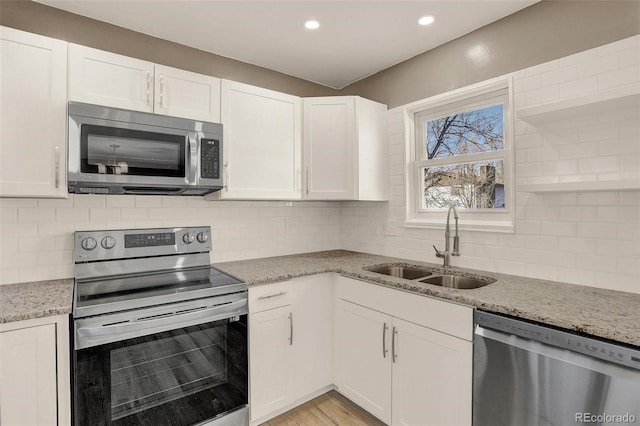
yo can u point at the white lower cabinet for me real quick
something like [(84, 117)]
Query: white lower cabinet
[(290, 343), (432, 377), (404, 358), (271, 361), (34, 372), (362, 357), (403, 372)]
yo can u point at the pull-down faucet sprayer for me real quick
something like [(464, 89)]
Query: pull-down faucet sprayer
[(446, 254)]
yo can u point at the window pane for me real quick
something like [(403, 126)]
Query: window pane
[(479, 130), (478, 185)]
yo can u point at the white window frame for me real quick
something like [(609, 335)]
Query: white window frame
[(463, 99)]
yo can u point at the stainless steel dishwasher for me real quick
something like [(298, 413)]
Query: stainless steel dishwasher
[(527, 374)]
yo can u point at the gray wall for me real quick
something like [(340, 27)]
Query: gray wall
[(40, 19), (542, 32), (545, 31)]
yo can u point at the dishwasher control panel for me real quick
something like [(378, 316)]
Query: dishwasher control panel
[(563, 339)]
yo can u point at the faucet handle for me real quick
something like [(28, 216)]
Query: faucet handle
[(439, 253)]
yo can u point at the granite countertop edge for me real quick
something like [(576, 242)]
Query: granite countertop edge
[(599, 312)]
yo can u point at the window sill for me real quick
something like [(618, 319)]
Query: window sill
[(477, 226)]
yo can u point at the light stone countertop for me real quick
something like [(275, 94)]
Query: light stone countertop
[(35, 300), (610, 314)]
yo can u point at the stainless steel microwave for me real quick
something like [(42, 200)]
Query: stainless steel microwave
[(117, 151)]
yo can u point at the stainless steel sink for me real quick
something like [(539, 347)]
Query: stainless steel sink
[(406, 272), (455, 281)]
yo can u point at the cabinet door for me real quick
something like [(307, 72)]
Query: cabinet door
[(33, 81), (262, 141), (330, 148), (181, 93), (431, 377), (313, 333), (104, 78), (270, 361), (28, 386), (362, 357)]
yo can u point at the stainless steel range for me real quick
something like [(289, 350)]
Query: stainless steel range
[(159, 336)]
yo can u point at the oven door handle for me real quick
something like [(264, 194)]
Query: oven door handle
[(156, 323)]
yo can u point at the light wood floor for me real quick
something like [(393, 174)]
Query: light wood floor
[(330, 409)]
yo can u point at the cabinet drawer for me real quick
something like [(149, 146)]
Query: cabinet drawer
[(270, 296), (443, 316)]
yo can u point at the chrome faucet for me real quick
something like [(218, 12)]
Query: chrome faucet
[(446, 254)]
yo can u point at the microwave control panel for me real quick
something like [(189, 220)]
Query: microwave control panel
[(210, 158)]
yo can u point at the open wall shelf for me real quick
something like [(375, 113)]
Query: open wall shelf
[(585, 186), (618, 99)]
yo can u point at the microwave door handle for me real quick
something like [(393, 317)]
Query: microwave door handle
[(192, 158)]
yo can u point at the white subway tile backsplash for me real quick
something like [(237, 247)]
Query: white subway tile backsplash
[(619, 77), (35, 214), (598, 165), (89, 200), (74, 215), (104, 214), (579, 87), (599, 65), (560, 75), (148, 201)]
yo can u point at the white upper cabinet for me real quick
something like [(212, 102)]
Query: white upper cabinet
[(33, 104), (105, 78), (345, 149), (262, 143), (186, 94)]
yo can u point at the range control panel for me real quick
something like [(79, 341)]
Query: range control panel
[(92, 246), (562, 339)]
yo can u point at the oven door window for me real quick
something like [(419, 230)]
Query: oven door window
[(178, 377), (112, 150)]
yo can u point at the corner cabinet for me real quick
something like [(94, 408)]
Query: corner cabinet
[(34, 372), (109, 79), (262, 143), (290, 344), (33, 83), (419, 347), (345, 149)]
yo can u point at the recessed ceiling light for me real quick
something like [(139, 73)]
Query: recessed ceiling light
[(312, 25), (425, 20)]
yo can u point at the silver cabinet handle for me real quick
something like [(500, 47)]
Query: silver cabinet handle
[(394, 351), (290, 328), (282, 293), (226, 176), (161, 91), (307, 180), (148, 88), (384, 340), (57, 167)]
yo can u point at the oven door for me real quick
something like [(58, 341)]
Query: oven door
[(186, 375)]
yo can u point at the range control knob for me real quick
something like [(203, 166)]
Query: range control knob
[(188, 238), (108, 242), (203, 237), (88, 243)]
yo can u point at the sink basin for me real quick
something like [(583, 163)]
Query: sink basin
[(455, 281), (406, 272)]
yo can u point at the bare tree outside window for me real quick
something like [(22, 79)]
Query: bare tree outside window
[(468, 184)]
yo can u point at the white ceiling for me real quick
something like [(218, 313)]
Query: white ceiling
[(355, 39)]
